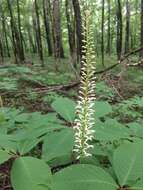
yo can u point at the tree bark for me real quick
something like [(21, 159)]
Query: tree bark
[(38, 29), (58, 45), (142, 27), (119, 29), (109, 29), (102, 36), (77, 13), (20, 32), (71, 31), (47, 26), (127, 38), (15, 36)]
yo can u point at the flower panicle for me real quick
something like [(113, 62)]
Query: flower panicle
[(84, 122)]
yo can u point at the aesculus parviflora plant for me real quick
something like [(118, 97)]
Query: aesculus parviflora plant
[(84, 122)]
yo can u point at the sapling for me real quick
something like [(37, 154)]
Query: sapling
[(84, 122)]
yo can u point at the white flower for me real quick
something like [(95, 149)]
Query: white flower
[(84, 122)]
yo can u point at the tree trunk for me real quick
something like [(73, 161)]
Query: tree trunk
[(119, 29), (47, 26), (109, 29), (58, 46), (142, 27), (71, 31), (127, 38), (5, 33), (15, 36), (102, 36), (38, 32), (20, 33), (78, 20)]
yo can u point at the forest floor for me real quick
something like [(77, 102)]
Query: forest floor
[(32, 89)]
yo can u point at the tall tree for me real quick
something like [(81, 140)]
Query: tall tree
[(58, 45), (127, 37), (142, 27), (119, 28), (38, 32), (20, 32), (78, 20), (15, 36), (102, 29), (108, 50), (4, 31), (47, 26), (71, 31)]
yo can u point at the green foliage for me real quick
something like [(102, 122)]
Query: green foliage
[(58, 144), (49, 136), (83, 177), (65, 107), (104, 91), (4, 156), (31, 174), (128, 163), (131, 108)]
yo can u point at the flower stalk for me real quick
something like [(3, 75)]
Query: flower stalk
[(84, 122)]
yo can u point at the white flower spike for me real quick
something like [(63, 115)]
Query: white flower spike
[(84, 123)]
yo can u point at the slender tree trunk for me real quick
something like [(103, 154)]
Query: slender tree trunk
[(142, 27), (38, 31), (15, 36), (109, 29), (1, 51), (127, 38), (58, 46), (119, 29), (78, 20), (5, 34), (47, 26), (71, 31), (102, 36), (20, 32), (31, 42)]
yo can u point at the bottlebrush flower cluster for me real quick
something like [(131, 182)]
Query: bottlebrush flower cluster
[(84, 122)]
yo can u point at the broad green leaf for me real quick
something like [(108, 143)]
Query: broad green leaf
[(128, 162), (58, 144), (138, 185), (83, 177), (4, 156), (110, 130), (135, 129), (27, 145), (102, 108), (65, 108), (30, 173)]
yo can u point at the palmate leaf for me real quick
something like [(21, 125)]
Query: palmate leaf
[(58, 144), (128, 162), (30, 173), (83, 177), (65, 108)]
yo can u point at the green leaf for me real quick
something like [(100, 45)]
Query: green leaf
[(128, 162), (4, 156), (102, 108), (58, 144), (83, 177), (65, 108), (30, 173), (110, 130), (27, 145)]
